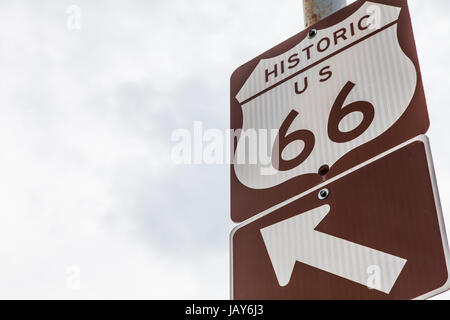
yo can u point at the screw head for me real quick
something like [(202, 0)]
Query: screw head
[(323, 170), (312, 33), (323, 194)]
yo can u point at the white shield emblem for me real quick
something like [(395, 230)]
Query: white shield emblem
[(326, 96)]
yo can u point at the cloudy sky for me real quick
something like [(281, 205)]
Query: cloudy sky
[(90, 204)]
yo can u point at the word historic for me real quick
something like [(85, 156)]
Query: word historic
[(295, 60)]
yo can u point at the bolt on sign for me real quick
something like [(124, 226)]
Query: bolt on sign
[(332, 178)]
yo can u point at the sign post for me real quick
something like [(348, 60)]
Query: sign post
[(316, 10), (332, 179)]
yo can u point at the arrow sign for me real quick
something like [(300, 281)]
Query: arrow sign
[(295, 239)]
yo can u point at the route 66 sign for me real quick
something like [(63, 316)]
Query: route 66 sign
[(325, 100)]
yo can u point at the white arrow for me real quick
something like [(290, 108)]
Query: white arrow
[(295, 239)]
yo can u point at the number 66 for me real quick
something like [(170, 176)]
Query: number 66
[(337, 114)]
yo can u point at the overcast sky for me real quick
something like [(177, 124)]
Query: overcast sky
[(87, 187)]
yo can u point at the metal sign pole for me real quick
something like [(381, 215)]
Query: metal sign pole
[(316, 10)]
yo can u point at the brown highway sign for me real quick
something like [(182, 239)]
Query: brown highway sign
[(325, 101), (375, 231)]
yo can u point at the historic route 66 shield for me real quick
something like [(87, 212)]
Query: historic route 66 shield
[(322, 102)]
